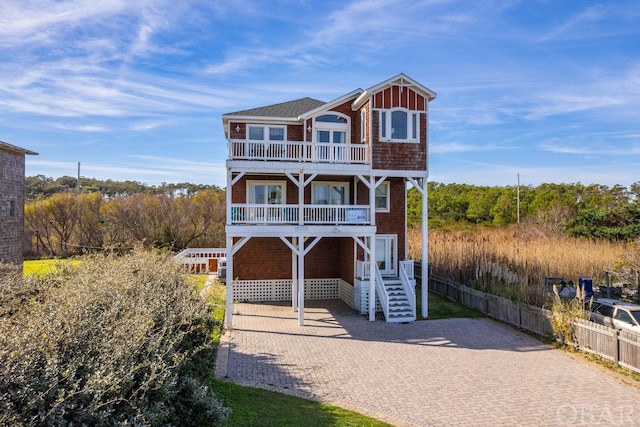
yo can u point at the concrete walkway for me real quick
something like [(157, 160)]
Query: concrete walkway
[(455, 372)]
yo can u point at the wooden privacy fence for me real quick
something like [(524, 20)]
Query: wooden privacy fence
[(619, 346)]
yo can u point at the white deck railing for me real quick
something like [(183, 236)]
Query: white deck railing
[(296, 151), (408, 266), (290, 214), (408, 284), (201, 260)]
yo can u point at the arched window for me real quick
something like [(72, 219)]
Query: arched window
[(330, 130)]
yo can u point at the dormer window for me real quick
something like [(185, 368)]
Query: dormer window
[(399, 125)]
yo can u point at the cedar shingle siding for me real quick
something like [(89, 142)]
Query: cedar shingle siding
[(12, 166)]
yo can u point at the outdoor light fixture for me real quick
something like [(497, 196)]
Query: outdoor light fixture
[(309, 128), (237, 128)]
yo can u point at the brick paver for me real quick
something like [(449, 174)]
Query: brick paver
[(454, 372)]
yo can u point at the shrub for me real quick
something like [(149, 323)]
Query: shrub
[(109, 341)]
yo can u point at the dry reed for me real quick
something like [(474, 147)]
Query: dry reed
[(514, 261)]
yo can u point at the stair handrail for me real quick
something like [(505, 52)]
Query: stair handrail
[(408, 289), (381, 292)]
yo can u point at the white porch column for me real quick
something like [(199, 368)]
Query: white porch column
[(425, 250), (301, 255), (294, 276), (229, 279), (372, 278)]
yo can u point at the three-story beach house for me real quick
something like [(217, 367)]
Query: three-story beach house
[(316, 199)]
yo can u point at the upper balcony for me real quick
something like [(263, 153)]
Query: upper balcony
[(297, 151), (254, 214)]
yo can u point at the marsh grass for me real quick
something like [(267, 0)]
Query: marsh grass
[(513, 261)]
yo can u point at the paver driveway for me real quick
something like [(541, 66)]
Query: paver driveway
[(454, 372)]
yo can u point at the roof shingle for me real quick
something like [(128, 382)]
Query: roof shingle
[(289, 109)]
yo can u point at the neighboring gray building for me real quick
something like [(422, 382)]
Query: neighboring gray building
[(12, 161)]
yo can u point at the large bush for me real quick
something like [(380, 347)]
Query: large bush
[(114, 340)]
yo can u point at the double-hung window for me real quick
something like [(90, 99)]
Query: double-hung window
[(11, 208), (382, 197), (399, 125)]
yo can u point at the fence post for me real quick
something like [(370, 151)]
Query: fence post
[(616, 351)]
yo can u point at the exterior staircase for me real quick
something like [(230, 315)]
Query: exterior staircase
[(400, 307)]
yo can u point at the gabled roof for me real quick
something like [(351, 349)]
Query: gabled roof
[(331, 104), (15, 148), (291, 109), (400, 79)]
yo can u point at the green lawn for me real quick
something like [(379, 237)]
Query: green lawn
[(261, 408), (443, 308)]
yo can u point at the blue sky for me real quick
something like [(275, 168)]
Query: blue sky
[(135, 90)]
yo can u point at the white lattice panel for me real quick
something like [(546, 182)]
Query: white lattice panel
[(280, 290), (262, 290), (321, 288)]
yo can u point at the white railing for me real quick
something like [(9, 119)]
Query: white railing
[(381, 293), (409, 267), (362, 269), (201, 260), (407, 286), (290, 214), (296, 151)]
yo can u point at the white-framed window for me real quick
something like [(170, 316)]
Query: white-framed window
[(266, 192), (383, 192), (329, 193), (266, 133), (363, 125), (399, 125)]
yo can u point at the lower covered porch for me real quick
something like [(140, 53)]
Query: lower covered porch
[(315, 267)]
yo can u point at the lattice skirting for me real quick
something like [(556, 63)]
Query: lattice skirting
[(280, 290)]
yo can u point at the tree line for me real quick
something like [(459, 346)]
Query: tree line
[(595, 211), (63, 219), (69, 223), (40, 187)]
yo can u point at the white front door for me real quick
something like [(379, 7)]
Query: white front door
[(387, 254)]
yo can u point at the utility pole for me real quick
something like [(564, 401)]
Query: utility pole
[(78, 180), (518, 198)]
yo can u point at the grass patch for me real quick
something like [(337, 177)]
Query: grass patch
[(262, 408), (216, 298), (45, 266), (443, 308), (198, 281)]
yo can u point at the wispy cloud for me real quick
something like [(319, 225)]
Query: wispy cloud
[(600, 150)]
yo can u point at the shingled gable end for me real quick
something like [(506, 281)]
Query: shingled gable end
[(317, 190), (12, 167)]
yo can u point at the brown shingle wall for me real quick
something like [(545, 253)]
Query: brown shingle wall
[(11, 189), (399, 155), (268, 258)]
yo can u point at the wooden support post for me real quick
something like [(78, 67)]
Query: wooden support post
[(301, 254)]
